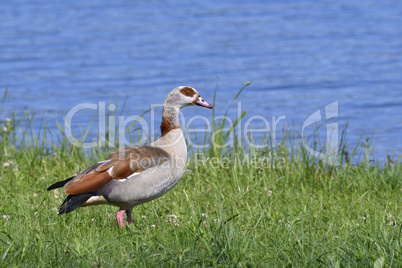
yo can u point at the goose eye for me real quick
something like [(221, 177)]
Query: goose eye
[(187, 91)]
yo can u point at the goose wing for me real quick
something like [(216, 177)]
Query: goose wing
[(119, 165)]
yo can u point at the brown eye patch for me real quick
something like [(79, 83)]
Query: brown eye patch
[(187, 91)]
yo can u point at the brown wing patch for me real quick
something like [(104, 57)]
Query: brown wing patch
[(87, 183), (145, 157), (105, 166), (187, 91), (124, 162)]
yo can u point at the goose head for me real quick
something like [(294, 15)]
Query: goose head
[(185, 96)]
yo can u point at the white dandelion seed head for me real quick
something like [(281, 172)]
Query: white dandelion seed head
[(269, 193)]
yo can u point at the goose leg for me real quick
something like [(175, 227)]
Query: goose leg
[(120, 217), (129, 219)]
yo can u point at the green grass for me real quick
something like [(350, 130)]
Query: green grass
[(286, 210)]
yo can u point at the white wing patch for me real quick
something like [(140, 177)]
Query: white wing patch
[(95, 200), (110, 171)]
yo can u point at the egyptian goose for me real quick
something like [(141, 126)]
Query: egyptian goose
[(137, 174)]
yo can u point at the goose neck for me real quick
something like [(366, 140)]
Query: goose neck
[(170, 119)]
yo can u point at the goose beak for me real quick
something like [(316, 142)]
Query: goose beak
[(203, 103)]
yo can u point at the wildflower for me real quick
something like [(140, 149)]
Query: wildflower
[(172, 218), (144, 217), (177, 225), (5, 129), (363, 218), (204, 215), (15, 169), (153, 226), (42, 178), (108, 215), (280, 221), (7, 120), (93, 220), (6, 217), (6, 164), (269, 193), (357, 224), (36, 214), (392, 223), (216, 221), (205, 224)]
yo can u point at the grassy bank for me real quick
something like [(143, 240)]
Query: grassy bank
[(234, 207)]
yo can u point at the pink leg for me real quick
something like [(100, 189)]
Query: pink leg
[(129, 219), (120, 217)]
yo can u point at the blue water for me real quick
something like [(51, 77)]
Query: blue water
[(299, 56)]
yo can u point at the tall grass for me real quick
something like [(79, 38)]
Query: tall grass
[(238, 206)]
